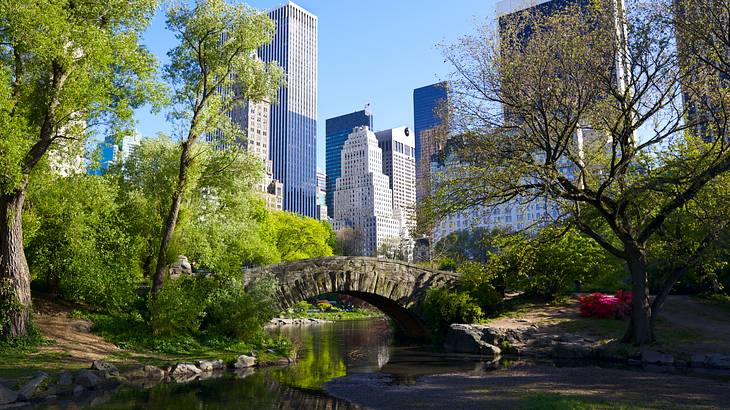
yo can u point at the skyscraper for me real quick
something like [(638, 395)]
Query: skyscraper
[(337, 130), (321, 196), (293, 128), (426, 104), (399, 164), (363, 198)]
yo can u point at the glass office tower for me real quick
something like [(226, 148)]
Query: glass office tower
[(426, 103), (337, 130), (293, 124)]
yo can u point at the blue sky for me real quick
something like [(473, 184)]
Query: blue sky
[(374, 51)]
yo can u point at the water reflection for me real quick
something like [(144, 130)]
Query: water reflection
[(325, 352)]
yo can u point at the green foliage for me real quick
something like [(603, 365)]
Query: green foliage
[(76, 243), (444, 306), (241, 314), (447, 264), (562, 258), (301, 307), (298, 237), (468, 245), (324, 306), (179, 308), (478, 282), (191, 306)]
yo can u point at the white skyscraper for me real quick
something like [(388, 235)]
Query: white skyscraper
[(293, 127), (363, 198), (399, 163)]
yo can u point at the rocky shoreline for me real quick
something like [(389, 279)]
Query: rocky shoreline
[(530, 341), (279, 322), (85, 384)]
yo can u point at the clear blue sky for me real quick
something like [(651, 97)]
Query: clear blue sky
[(374, 51)]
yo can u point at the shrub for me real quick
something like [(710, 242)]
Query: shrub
[(447, 264), (239, 313), (444, 306), (600, 305), (324, 306), (179, 307), (478, 281), (301, 307)]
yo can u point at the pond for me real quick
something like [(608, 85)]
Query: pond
[(326, 351)]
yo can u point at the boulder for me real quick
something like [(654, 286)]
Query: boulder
[(78, 390), (245, 361), (29, 389), (104, 367), (153, 373), (7, 395), (468, 339), (211, 365), (182, 370), (653, 357), (87, 379), (572, 350), (720, 361), (65, 379)]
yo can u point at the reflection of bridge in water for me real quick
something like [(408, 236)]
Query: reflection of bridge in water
[(396, 288)]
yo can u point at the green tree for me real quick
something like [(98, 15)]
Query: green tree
[(67, 67), (212, 70), (77, 244), (547, 116), (299, 237)]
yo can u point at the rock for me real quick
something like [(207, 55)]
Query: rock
[(14, 405), (184, 370), (210, 365), (7, 395), (78, 390), (86, 378), (105, 367), (653, 357), (245, 361), (468, 339), (720, 361), (153, 373), (28, 390), (65, 379), (572, 350)]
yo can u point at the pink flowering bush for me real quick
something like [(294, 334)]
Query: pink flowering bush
[(600, 305)]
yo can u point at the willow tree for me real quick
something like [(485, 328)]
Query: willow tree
[(585, 107), (213, 70), (67, 68)]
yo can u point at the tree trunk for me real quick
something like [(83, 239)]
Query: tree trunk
[(640, 331), (15, 298), (171, 222)]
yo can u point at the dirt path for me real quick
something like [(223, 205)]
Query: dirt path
[(72, 337), (533, 386), (706, 326)]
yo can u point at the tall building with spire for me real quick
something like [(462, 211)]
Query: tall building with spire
[(293, 119)]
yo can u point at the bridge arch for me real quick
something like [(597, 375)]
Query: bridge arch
[(397, 288)]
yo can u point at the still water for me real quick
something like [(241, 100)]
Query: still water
[(325, 352)]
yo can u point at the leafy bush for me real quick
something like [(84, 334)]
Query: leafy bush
[(478, 281), (444, 306), (447, 264), (301, 307), (76, 244), (600, 305), (179, 307), (238, 313), (324, 306)]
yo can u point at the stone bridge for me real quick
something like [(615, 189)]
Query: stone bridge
[(396, 288)]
